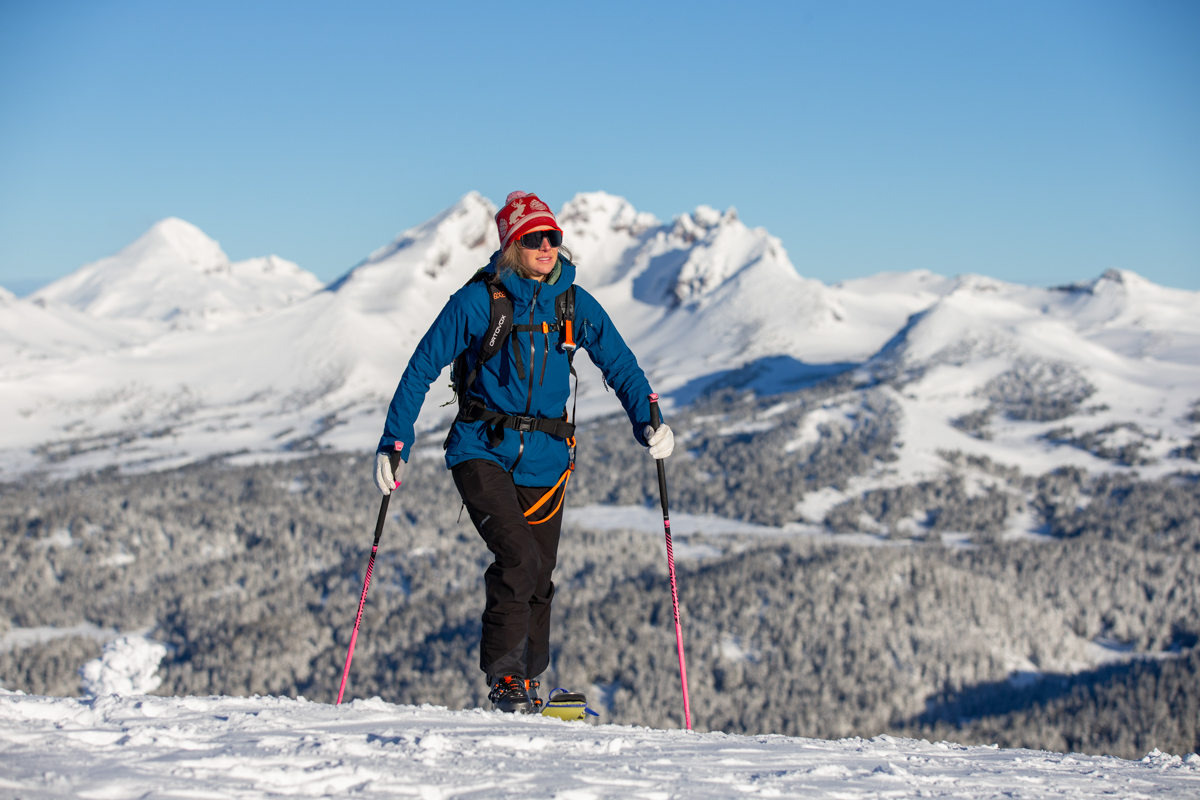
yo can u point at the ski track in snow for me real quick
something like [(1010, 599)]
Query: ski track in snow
[(223, 747)]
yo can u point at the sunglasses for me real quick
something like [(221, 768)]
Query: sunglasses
[(533, 241)]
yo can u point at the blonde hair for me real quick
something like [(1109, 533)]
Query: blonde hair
[(510, 260)]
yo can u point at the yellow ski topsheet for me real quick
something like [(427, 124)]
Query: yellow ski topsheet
[(568, 711), (567, 705)]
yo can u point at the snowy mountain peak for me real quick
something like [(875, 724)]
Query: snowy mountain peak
[(1120, 276), (175, 274), (466, 220), (603, 232), (176, 239), (1114, 279), (1130, 291), (721, 247), (118, 286), (708, 217), (596, 213), (425, 263)]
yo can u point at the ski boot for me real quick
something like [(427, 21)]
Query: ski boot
[(509, 695), (531, 688)]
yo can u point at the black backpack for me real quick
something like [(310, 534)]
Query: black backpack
[(499, 331)]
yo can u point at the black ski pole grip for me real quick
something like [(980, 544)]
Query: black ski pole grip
[(656, 422), (394, 460)]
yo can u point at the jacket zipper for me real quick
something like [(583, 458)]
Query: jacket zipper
[(532, 361), (532, 349)]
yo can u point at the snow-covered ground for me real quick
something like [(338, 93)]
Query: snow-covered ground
[(649, 520), (222, 747)]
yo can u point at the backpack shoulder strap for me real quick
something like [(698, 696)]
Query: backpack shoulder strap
[(564, 304), (564, 310), (501, 322)]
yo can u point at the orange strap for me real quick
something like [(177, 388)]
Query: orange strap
[(562, 481)]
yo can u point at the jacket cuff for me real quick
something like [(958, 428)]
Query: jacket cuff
[(394, 447)]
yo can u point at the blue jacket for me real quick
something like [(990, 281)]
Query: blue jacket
[(461, 325)]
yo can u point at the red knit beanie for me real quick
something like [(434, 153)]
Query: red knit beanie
[(522, 213)]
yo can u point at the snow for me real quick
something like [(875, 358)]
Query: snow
[(167, 352), (175, 274), (1138, 344), (699, 536), (16, 638), (642, 518), (32, 334), (118, 746), (128, 665)]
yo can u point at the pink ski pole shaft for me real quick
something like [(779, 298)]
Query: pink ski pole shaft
[(655, 421), (362, 601)]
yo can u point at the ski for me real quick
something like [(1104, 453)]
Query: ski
[(567, 705)]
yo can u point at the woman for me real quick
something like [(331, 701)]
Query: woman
[(509, 450)]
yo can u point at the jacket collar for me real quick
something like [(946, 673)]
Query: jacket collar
[(523, 289)]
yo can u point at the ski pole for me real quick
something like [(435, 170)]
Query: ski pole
[(655, 421), (383, 507)]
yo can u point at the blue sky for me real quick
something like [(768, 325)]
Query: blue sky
[(1035, 142)]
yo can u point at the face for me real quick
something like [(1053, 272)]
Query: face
[(539, 263)]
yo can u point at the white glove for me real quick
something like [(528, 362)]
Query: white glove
[(385, 479), (661, 441)]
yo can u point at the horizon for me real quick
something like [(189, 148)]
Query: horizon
[(32, 286), (1036, 143)]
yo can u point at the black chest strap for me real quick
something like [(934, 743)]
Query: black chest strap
[(475, 411)]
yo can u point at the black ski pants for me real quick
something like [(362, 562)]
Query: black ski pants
[(516, 616)]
